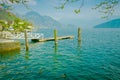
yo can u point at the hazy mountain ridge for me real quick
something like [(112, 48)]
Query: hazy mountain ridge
[(7, 16), (41, 21), (110, 24)]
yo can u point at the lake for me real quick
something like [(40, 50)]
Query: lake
[(96, 57)]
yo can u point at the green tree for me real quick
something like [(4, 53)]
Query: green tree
[(4, 24), (20, 25)]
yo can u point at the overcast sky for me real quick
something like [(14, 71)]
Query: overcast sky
[(87, 17)]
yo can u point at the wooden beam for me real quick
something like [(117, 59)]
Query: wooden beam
[(52, 39)]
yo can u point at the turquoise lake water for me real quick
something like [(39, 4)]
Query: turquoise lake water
[(96, 57)]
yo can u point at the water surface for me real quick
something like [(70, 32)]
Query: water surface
[(96, 57)]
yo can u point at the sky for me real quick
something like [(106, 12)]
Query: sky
[(86, 18)]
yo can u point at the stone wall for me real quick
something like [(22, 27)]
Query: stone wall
[(9, 46)]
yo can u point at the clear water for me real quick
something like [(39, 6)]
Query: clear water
[(97, 57)]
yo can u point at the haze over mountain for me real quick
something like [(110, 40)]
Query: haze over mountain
[(41, 21), (110, 24)]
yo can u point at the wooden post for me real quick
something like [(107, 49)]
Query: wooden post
[(26, 41), (79, 34), (55, 36)]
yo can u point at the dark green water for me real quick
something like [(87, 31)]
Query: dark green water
[(97, 57)]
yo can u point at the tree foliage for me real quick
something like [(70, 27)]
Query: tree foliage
[(16, 23), (7, 4), (4, 24), (107, 7), (20, 25), (65, 2)]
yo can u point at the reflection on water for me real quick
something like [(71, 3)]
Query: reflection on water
[(9, 55), (55, 52), (55, 48), (79, 45), (27, 55)]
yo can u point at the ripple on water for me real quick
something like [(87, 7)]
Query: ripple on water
[(97, 57)]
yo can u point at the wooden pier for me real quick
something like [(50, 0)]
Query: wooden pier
[(52, 39)]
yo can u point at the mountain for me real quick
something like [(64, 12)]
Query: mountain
[(41, 21), (5, 15), (110, 24)]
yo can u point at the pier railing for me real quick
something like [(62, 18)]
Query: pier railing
[(30, 35)]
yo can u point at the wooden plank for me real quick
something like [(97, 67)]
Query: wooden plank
[(52, 39)]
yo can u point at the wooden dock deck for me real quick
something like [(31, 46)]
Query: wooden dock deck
[(52, 39)]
